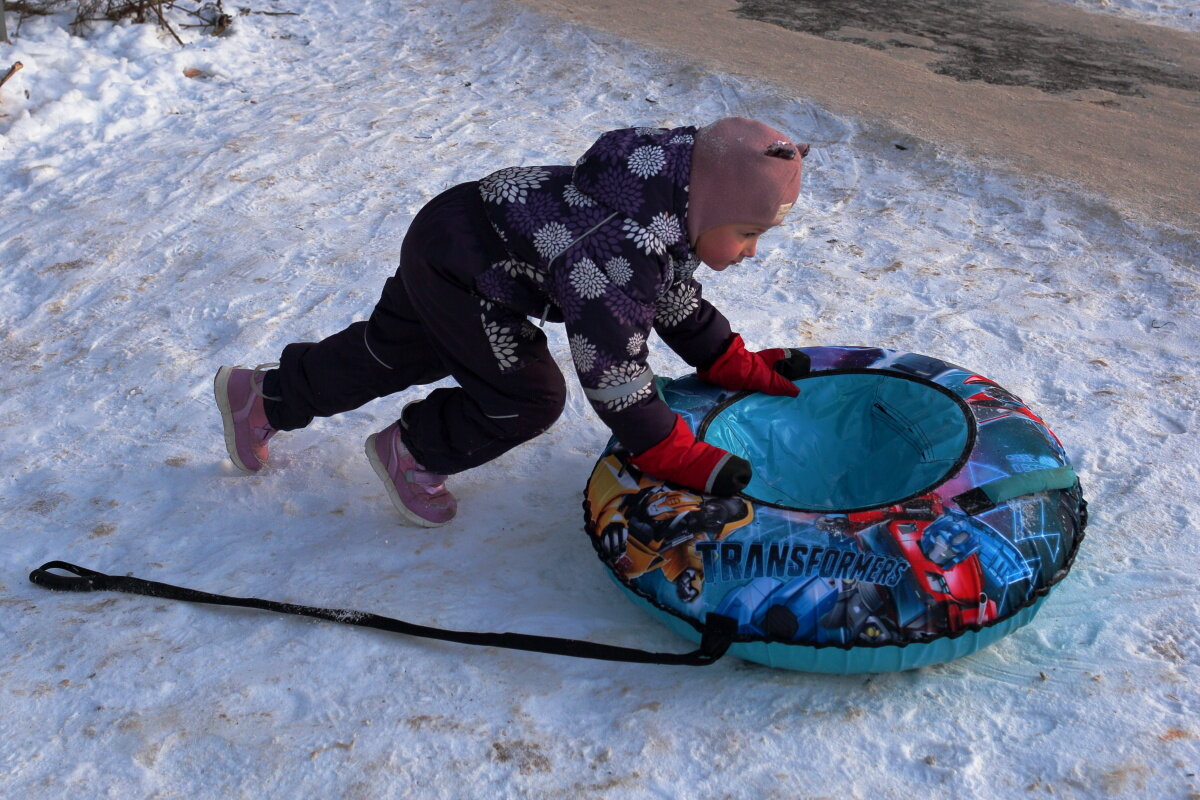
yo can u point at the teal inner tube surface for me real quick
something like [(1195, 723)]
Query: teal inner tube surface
[(852, 440)]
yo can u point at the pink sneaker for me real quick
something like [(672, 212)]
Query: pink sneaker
[(240, 398), (418, 494)]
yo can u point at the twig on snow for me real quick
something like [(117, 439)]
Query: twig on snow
[(165, 24), (11, 71)]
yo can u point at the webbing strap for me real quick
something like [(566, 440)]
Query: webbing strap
[(716, 636), (986, 497)]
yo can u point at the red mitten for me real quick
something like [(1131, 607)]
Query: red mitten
[(681, 459), (739, 369)]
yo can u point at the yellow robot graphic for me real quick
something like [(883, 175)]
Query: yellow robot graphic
[(642, 525)]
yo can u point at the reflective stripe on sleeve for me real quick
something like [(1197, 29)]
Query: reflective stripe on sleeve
[(716, 470), (610, 393)]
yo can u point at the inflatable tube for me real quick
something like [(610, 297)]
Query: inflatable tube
[(903, 512)]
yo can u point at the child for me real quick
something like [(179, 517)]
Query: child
[(608, 247)]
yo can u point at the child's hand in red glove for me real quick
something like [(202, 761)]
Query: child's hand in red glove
[(681, 459), (767, 371)]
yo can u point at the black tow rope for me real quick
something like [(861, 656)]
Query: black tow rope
[(715, 639)]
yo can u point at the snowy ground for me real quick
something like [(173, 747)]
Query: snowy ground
[(1183, 15), (155, 226)]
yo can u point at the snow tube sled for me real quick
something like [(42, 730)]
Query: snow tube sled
[(903, 512)]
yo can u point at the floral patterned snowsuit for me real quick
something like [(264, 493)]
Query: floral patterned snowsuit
[(601, 246)]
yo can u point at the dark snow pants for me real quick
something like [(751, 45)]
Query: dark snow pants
[(426, 326)]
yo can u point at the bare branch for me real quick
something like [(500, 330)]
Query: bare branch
[(11, 71), (89, 11), (163, 21)]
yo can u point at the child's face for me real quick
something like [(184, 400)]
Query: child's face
[(728, 244)]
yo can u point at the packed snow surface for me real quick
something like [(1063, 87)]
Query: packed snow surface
[(154, 226), (1182, 15)]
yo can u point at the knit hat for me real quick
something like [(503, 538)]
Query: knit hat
[(742, 171)]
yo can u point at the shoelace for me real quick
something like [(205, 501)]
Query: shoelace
[(256, 380)]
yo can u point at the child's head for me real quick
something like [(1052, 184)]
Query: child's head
[(745, 177)]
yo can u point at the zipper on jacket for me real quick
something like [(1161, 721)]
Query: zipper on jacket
[(581, 237)]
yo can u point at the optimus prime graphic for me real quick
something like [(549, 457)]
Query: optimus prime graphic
[(641, 525), (957, 565)]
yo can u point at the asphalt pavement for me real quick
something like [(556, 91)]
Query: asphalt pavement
[(1109, 105)]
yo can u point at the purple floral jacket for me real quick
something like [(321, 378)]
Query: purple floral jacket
[(603, 247)]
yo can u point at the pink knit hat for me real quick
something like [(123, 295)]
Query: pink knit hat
[(742, 171)]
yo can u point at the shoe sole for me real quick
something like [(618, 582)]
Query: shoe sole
[(221, 393), (382, 472)]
